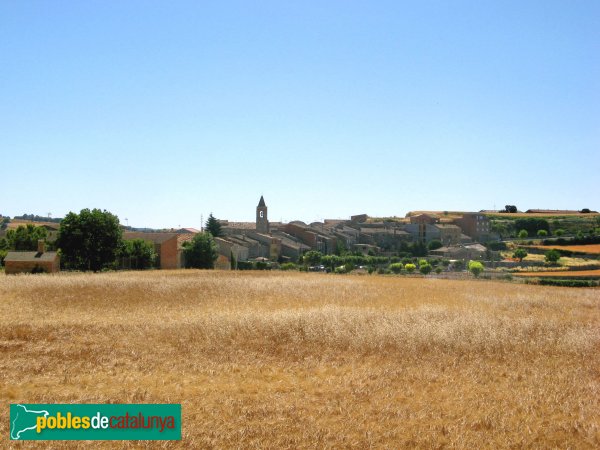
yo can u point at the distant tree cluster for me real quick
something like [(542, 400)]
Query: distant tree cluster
[(509, 209), (36, 218), (25, 237), (138, 253)]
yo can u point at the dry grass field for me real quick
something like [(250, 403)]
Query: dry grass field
[(561, 274), (592, 249), (290, 360)]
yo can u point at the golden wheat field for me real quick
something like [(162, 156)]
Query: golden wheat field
[(291, 360)]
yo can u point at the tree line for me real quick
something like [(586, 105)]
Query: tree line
[(92, 240)]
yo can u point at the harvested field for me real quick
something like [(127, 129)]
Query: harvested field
[(591, 249), (291, 360), (561, 274)]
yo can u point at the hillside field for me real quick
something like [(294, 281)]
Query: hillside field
[(292, 360), (591, 249)]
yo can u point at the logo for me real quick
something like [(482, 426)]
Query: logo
[(95, 422)]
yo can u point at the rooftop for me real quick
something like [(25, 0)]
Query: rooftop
[(30, 256)]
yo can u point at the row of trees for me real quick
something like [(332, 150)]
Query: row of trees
[(93, 240)]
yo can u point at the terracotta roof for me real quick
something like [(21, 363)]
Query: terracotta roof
[(240, 225), (188, 230), (30, 256)]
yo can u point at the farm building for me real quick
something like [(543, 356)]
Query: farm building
[(32, 262), (165, 245)]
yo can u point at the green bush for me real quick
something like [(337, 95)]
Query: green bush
[(245, 265), (396, 267), (476, 268), (288, 266), (262, 265), (552, 256), (425, 269), (410, 268), (519, 254)]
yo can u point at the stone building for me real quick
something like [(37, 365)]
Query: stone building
[(32, 262), (475, 225), (262, 220)]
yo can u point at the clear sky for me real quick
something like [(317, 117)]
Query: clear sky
[(163, 111)]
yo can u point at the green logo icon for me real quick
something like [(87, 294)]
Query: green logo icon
[(95, 422)]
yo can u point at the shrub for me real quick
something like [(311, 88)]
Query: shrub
[(312, 258), (552, 256), (542, 233), (559, 232), (262, 265), (425, 268), (396, 267), (438, 270), (288, 266), (519, 254), (476, 268), (245, 265), (410, 268), (523, 234)]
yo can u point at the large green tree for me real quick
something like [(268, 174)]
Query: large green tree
[(312, 258), (140, 253), (25, 237), (213, 226), (89, 240), (200, 252)]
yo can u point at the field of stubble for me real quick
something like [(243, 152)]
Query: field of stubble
[(280, 360)]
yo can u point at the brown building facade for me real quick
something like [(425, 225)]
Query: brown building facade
[(32, 262)]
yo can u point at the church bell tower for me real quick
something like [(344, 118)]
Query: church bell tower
[(262, 222)]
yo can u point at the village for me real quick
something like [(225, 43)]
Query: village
[(447, 236), (457, 237)]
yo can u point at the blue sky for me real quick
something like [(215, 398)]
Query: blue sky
[(163, 112)]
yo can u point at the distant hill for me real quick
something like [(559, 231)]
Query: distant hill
[(36, 218)]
